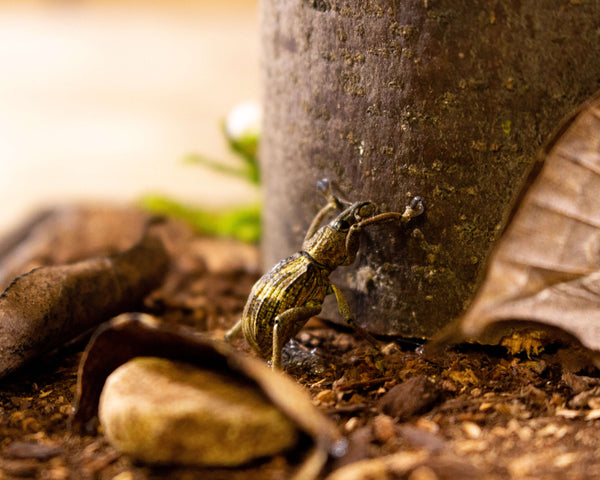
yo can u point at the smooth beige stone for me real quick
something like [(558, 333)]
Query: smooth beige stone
[(162, 411)]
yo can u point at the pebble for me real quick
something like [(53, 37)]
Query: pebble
[(165, 412), (326, 397), (351, 425), (471, 429), (383, 428), (423, 473)]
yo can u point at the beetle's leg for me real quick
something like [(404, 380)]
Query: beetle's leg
[(415, 209), (314, 226), (325, 186), (352, 243), (296, 315), (234, 331), (346, 313)]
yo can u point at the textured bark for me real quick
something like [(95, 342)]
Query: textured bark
[(447, 99)]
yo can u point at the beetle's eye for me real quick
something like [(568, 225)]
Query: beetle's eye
[(366, 210), (342, 225)]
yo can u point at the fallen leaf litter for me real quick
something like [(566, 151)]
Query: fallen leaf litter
[(494, 415)]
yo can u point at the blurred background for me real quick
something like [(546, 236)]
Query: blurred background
[(101, 100)]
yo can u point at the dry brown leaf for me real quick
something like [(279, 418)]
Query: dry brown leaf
[(418, 465), (545, 268), (50, 306)]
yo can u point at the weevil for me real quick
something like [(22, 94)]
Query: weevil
[(285, 298)]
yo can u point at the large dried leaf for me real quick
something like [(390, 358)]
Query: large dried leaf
[(546, 265), (50, 306)]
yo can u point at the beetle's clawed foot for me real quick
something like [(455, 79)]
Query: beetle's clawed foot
[(414, 209), (326, 187)]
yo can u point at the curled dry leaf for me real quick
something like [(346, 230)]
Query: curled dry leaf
[(545, 267), (416, 464), (50, 306), (139, 335)]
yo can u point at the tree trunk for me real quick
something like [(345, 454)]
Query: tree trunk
[(447, 99)]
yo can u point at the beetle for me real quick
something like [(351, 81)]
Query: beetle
[(285, 298)]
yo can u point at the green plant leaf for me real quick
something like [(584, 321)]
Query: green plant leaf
[(240, 222)]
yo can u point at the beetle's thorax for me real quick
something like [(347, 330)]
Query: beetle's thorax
[(327, 247)]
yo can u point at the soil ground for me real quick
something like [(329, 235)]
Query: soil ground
[(471, 412)]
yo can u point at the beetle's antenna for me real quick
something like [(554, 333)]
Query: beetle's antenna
[(415, 209)]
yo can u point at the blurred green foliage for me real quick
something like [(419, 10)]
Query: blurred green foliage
[(242, 223), (242, 132)]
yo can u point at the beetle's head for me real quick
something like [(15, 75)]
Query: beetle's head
[(328, 245), (353, 214)]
